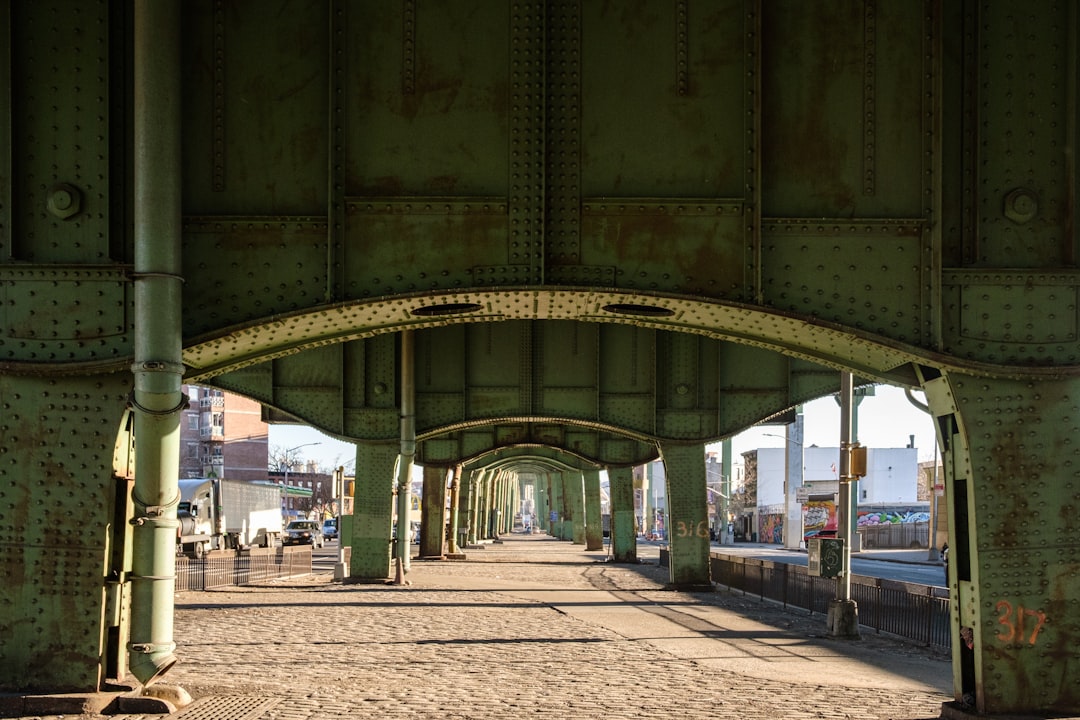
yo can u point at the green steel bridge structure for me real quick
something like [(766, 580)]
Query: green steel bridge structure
[(535, 239)]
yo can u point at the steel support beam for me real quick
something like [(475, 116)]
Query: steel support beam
[(623, 537), (688, 521)]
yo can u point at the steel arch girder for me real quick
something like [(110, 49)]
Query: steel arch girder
[(582, 386)]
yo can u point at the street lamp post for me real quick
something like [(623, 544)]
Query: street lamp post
[(793, 517), (288, 462)]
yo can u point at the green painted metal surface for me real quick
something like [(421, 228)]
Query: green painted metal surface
[(608, 225), (686, 516), (433, 525), (594, 538), (623, 522), (60, 516), (372, 511)]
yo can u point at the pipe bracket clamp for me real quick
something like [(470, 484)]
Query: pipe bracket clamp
[(150, 648), (155, 511), (161, 366), (155, 520), (132, 403), (159, 275)]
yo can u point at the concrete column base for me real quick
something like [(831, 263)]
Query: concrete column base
[(341, 571), (843, 620)]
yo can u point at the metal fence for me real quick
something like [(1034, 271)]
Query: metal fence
[(896, 535), (243, 568), (907, 610)]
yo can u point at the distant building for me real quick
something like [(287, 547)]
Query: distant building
[(316, 489), (222, 435), (892, 480)]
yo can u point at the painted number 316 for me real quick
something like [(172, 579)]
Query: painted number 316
[(1012, 623), (701, 530)]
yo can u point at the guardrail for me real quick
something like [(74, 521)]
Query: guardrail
[(908, 610), (225, 568)]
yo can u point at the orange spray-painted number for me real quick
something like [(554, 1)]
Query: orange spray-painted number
[(1014, 630)]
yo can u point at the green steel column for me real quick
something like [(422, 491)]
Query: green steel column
[(1014, 557), (594, 528), (725, 537), (566, 507), (372, 511), (688, 520), (575, 493), (623, 538), (158, 368), (513, 501), (543, 503), (405, 461), (481, 505), (499, 514), (483, 512), (491, 504), (455, 505), (433, 509), (563, 525), (474, 506), (465, 506), (556, 513), (507, 516)]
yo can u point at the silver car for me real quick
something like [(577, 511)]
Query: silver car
[(304, 532)]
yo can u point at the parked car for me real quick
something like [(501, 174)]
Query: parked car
[(329, 528), (304, 532)]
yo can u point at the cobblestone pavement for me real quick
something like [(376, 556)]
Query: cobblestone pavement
[(528, 628)]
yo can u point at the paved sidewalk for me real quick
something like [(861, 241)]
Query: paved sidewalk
[(531, 627)]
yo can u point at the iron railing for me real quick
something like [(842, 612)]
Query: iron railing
[(249, 566), (908, 610)]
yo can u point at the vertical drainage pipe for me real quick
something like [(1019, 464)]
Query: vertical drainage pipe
[(157, 399), (455, 501), (405, 459)]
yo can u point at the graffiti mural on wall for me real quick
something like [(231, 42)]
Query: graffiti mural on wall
[(772, 529), (892, 516), (818, 515)]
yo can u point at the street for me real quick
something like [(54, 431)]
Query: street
[(904, 565), (909, 566)]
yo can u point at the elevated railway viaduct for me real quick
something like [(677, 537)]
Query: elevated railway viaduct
[(608, 231)]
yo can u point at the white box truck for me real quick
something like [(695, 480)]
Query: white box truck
[(216, 513)]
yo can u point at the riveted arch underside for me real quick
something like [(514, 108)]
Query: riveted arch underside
[(607, 224)]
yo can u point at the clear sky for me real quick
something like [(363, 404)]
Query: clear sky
[(886, 420)]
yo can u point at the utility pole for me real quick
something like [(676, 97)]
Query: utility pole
[(340, 570), (794, 464), (843, 612)]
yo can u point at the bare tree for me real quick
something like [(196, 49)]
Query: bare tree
[(279, 458)]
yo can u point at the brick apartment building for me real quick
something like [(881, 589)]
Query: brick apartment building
[(223, 435)]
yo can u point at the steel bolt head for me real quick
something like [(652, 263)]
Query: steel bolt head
[(1021, 205), (65, 201)]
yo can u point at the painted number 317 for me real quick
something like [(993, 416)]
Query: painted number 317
[(689, 530), (1012, 623)]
